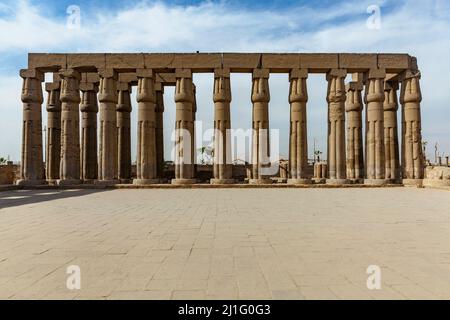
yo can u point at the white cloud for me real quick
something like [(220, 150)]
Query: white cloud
[(420, 28)]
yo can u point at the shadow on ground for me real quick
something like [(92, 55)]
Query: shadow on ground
[(16, 198)]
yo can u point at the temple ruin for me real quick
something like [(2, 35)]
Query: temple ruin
[(85, 85)]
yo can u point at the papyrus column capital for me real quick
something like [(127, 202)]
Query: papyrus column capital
[(411, 91), (390, 96), (184, 89), (53, 100), (260, 87), (123, 101), (107, 88), (70, 85), (222, 86), (298, 89), (31, 87), (336, 85), (354, 97)]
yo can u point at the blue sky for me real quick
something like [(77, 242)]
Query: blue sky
[(421, 28)]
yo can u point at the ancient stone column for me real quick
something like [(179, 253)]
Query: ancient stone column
[(298, 138), (391, 147), (107, 161), (355, 153), (123, 132), (89, 110), (159, 128), (260, 126), (336, 127), (53, 152), (412, 158), (222, 168), (31, 167), (146, 166), (193, 139), (375, 155), (70, 127), (184, 128)]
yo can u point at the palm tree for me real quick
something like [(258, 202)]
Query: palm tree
[(206, 151), (317, 153)]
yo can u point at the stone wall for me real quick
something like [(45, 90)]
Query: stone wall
[(437, 176), (8, 174)]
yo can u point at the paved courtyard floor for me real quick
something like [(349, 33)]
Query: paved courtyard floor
[(225, 243)]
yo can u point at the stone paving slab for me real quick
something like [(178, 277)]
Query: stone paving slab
[(225, 243)]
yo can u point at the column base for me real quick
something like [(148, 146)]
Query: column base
[(436, 183), (30, 182), (109, 182), (279, 180), (337, 182), (375, 182), (357, 181), (412, 182), (68, 182), (221, 181), (183, 181), (393, 181), (145, 181), (52, 182), (299, 181), (260, 181), (126, 181)]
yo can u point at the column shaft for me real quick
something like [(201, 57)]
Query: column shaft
[(159, 127), (375, 151), (392, 162), (222, 168), (193, 139), (146, 166), (354, 107), (31, 168), (123, 132), (184, 128), (70, 127), (336, 127), (298, 139), (411, 97), (108, 163), (260, 126), (53, 152), (89, 110)]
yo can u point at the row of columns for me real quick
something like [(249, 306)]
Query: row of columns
[(109, 162)]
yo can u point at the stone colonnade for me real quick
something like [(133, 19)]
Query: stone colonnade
[(74, 155)]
